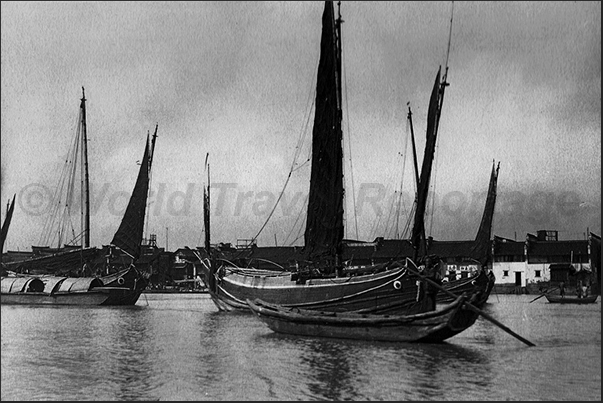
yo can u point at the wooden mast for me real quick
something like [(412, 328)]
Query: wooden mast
[(414, 148), (206, 212), (338, 22), (433, 121), (86, 180), (416, 164), (151, 153)]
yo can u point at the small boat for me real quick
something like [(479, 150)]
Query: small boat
[(50, 290), (558, 299), (428, 327), (120, 288)]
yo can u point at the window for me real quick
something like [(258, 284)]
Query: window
[(536, 273), (505, 273)]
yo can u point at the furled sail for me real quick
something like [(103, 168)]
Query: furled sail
[(418, 231), (324, 224), (206, 217), (129, 235), (481, 246), (6, 224)]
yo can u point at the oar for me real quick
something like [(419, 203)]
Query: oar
[(542, 295), (472, 307)]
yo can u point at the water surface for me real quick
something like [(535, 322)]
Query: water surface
[(178, 347)]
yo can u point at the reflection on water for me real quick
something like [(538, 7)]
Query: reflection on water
[(178, 347), (331, 371), (356, 370)]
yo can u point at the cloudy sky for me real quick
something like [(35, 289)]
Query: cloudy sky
[(236, 80)]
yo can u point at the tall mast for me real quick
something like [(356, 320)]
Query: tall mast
[(151, 153), (86, 183), (433, 121), (444, 83), (414, 148), (153, 145), (338, 23), (206, 212)]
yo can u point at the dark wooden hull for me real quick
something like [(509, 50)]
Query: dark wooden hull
[(98, 297), (481, 285), (431, 327), (124, 286), (558, 299), (388, 292)]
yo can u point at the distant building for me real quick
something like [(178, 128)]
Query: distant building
[(543, 259), (519, 266)]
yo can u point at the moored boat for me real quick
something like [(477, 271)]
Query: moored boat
[(558, 299), (31, 290), (432, 327), (320, 278), (123, 287)]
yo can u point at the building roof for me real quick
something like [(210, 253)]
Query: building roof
[(451, 248), (507, 247), (557, 248)]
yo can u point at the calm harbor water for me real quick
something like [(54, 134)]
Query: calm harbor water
[(178, 347)]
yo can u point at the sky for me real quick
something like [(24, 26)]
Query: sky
[(236, 80)]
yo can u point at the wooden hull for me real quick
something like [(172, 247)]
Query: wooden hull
[(558, 299), (388, 292), (40, 298), (432, 327), (124, 287), (480, 284), (96, 296)]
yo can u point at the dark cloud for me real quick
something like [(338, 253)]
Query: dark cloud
[(235, 79)]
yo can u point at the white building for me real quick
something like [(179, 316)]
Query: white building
[(544, 259)]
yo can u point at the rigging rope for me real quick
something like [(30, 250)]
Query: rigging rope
[(449, 38), (401, 200), (59, 215), (345, 77), (295, 223), (443, 85), (298, 147)]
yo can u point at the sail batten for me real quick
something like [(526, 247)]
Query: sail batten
[(324, 224), (129, 234)]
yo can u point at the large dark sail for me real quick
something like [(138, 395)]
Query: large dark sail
[(6, 224), (129, 235), (481, 246), (324, 224), (418, 231)]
